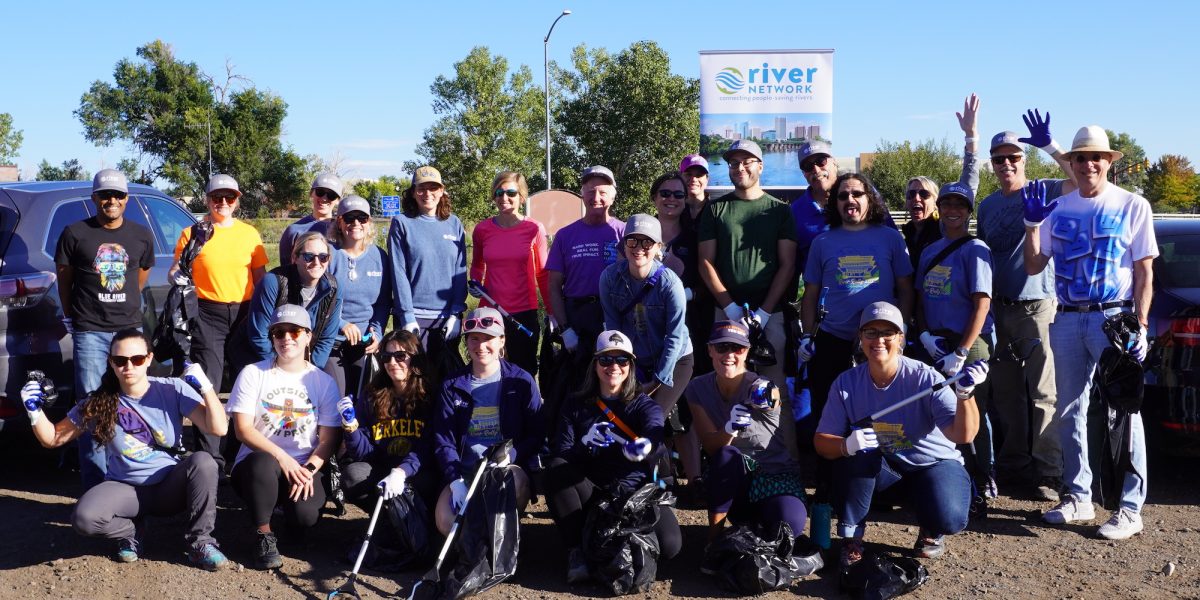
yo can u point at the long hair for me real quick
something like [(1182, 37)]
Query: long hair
[(930, 186), (100, 408), (876, 209), (338, 239), (408, 202), (591, 385), (386, 402), (663, 179), (515, 177)]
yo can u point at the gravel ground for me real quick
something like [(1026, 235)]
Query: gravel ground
[(1011, 555)]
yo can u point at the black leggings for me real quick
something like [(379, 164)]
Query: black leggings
[(568, 492), (262, 485)]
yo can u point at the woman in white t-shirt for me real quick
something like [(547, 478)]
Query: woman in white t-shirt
[(285, 414)]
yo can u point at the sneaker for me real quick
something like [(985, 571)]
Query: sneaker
[(267, 556), (1071, 509), (711, 563), (978, 509), (577, 570), (1047, 489), (1123, 525), (207, 557), (929, 546), (127, 550), (852, 551), (990, 489)]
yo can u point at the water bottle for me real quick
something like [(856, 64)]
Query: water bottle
[(819, 524)]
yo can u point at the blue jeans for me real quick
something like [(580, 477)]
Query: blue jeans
[(91, 360), (1076, 340), (939, 494)]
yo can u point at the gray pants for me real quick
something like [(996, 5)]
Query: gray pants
[(114, 510), (1025, 401)]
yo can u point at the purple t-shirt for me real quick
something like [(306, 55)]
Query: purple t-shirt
[(581, 252)]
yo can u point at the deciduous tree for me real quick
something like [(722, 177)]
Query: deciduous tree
[(10, 139), (1171, 185), (70, 170)]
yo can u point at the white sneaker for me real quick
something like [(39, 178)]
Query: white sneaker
[(1070, 510), (1123, 525)]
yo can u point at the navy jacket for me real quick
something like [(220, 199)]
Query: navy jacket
[(402, 441), (262, 310), (608, 467)]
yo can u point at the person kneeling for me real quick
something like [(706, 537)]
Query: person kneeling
[(134, 416), (911, 450)]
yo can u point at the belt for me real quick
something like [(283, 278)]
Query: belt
[(582, 300), (1011, 302), (1083, 308)]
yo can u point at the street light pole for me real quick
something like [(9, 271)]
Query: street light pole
[(546, 66)]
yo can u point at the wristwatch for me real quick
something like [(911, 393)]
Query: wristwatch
[(961, 352), (311, 467)]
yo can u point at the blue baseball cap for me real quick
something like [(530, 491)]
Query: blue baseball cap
[(957, 189)]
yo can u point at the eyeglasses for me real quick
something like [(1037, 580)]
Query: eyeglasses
[(914, 194), (728, 347), (749, 162), (645, 243), (676, 194), (111, 194), (886, 334), (1080, 159), (398, 356), (820, 161), (292, 332), (480, 323), (856, 194), (355, 217), (608, 360), (1003, 158), (325, 194), (120, 361), (511, 193), (227, 198), (314, 256)]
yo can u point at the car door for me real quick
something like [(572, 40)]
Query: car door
[(165, 219)]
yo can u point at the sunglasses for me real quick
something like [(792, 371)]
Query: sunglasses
[(120, 361), (737, 164), (728, 347), (398, 356), (856, 194), (1080, 159), (820, 161), (325, 194), (1003, 158), (914, 194), (645, 243), (480, 323), (313, 256), (511, 193), (874, 334), (111, 194), (608, 360), (355, 217), (219, 198), (293, 332), (676, 194)]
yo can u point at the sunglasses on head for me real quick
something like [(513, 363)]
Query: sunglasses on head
[(922, 194), (856, 194), (323, 257), (608, 360), (645, 243), (120, 361), (278, 333), (110, 194), (325, 194), (227, 198), (480, 323), (676, 194), (510, 192), (819, 161), (1003, 158), (355, 217), (398, 356), (727, 347)]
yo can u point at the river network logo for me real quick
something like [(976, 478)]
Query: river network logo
[(730, 81)]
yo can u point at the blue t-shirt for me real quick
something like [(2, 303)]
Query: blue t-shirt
[(429, 267), (912, 434), (287, 239), (1001, 225), (810, 223), (365, 284), (946, 289), (858, 267), (131, 458), (483, 429)]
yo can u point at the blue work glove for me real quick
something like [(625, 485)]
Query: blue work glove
[(194, 375), (1033, 197), (458, 494), (637, 450), (739, 419), (598, 436), (1140, 345), (860, 440), (32, 398), (1039, 129), (935, 345), (345, 408), (951, 364), (976, 373), (733, 312)]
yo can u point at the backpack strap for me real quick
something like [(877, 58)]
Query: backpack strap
[(947, 251), (616, 420), (650, 283)]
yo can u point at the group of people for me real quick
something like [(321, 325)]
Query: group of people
[(693, 304)]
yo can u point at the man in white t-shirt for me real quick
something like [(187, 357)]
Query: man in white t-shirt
[(1101, 238)]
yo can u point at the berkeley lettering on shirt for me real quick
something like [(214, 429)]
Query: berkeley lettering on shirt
[(400, 434)]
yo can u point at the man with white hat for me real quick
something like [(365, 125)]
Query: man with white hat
[(325, 191), (1101, 238)]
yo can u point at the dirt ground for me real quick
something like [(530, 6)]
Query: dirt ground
[(1011, 555)]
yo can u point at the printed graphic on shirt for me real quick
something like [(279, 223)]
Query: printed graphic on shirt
[(111, 263), (399, 432), (856, 273), (288, 412), (485, 423), (1087, 256), (891, 437), (937, 282), (137, 450)]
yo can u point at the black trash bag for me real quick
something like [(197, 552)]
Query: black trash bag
[(1121, 380), (487, 542), (619, 542), (172, 338), (333, 487), (762, 353), (445, 356), (749, 564), (878, 577), (407, 542)]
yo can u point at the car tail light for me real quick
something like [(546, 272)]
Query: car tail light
[(24, 291), (1185, 331)]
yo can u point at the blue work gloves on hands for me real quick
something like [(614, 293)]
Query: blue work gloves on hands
[(32, 398), (598, 436), (194, 375), (637, 450), (976, 373), (806, 349), (739, 419), (458, 494), (860, 440), (1039, 130), (935, 345), (1140, 345), (1033, 199), (345, 408), (951, 364)]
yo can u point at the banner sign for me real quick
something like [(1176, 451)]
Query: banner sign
[(777, 98)]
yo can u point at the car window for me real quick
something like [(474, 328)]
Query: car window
[(65, 213), (134, 212), (1178, 262), (169, 221)]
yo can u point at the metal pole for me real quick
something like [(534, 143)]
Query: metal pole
[(546, 68), (210, 145)]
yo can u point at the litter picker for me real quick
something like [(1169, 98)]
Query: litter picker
[(481, 292), (347, 590)]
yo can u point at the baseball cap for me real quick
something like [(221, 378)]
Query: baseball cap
[(328, 181), (427, 174), (729, 331), (597, 171), (1007, 138), (110, 179), (221, 181), (814, 148), (613, 341), (292, 314), (693, 160), (474, 322), (743, 146), (957, 189), (641, 224), (881, 311), (352, 203)]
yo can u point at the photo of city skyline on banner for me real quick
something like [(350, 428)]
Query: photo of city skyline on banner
[(780, 99)]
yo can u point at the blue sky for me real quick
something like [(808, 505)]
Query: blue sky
[(356, 75)]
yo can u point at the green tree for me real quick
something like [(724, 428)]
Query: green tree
[(629, 113), (70, 170), (1171, 184), (1037, 166), (374, 189), (895, 162), (10, 139), (1128, 172)]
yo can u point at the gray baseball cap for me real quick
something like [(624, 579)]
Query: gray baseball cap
[(814, 148), (1007, 138), (474, 323), (110, 179), (743, 146), (597, 171), (221, 181), (292, 314), (881, 311), (642, 224), (352, 203), (328, 181)]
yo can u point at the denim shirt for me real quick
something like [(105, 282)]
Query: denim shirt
[(655, 324)]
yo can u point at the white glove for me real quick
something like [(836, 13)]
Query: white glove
[(551, 323), (976, 373), (69, 324), (345, 408), (194, 375), (458, 494), (412, 328), (739, 419), (934, 345), (570, 339), (637, 450), (859, 440), (807, 348), (392, 485), (1140, 345), (451, 327), (31, 397), (762, 317), (733, 312), (178, 278), (688, 294), (597, 436), (951, 364)]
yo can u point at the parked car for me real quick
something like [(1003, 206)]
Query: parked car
[(1171, 410), (32, 215)]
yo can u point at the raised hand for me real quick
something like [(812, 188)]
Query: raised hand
[(968, 118), (860, 440), (1039, 129), (194, 375), (1033, 199)]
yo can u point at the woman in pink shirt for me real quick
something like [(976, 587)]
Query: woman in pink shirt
[(508, 256)]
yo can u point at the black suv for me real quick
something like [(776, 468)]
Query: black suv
[(32, 215)]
